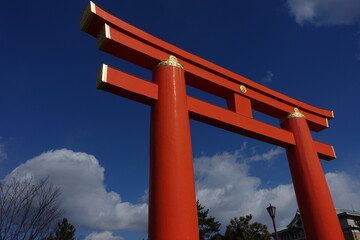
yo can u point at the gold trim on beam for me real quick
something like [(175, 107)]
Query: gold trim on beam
[(103, 36), (243, 89), (93, 7), (295, 114), (101, 78), (333, 151), (87, 16), (172, 61)]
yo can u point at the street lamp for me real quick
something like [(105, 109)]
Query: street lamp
[(271, 210)]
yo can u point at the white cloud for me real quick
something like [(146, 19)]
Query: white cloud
[(103, 236), (325, 12), (226, 188), (223, 183), (345, 190), (269, 77), (85, 199), (267, 156)]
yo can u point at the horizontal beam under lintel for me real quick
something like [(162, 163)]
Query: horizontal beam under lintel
[(129, 86)]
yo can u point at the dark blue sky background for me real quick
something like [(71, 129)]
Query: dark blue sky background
[(48, 99)]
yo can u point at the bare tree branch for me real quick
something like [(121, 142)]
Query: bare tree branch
[(28, 209)]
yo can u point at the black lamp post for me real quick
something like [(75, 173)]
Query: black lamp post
[(271, 210)]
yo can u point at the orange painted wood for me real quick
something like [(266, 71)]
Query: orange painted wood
[(126, 85), (312, 193), (123, 46), (240, 105), (325, 151), (171, 170), (172, 201), (231, 121), (94, 18)]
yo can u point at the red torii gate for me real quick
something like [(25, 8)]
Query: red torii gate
[(172, 201)]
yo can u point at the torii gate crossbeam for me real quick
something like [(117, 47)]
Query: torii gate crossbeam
[(172, 204)]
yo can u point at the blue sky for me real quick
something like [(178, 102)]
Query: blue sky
[(95, 145)]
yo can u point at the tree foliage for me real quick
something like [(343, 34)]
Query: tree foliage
[(208, 226), (242, 229), (64, 231), (28, 209)]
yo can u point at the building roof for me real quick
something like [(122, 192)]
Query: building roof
[(353, 212), (296, 221)]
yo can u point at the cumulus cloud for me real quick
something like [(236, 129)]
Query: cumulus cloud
[(225, 186), (325, 12), (344, 189), (103, 236), (84, 197), (267, 156)]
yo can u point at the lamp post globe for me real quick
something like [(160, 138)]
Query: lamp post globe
[(272, 210)]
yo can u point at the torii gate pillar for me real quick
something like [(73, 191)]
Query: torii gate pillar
[(172, 200), (172, 205), (314, 200)]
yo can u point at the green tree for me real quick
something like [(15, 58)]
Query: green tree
[(64, 231), (208, 226), (217, 236), (242, 229)]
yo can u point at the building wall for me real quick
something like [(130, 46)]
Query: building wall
[(352, 235), (349, 223)]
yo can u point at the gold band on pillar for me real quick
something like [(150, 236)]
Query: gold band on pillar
[(172, 61), (295, 114)]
